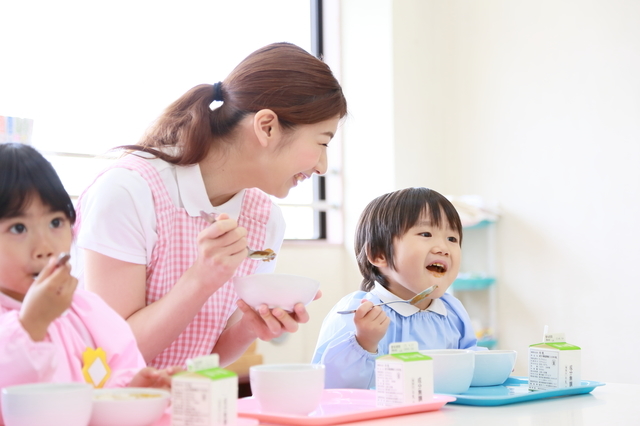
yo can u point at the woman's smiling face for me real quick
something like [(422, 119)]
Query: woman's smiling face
[(302, 155), (425, 255)]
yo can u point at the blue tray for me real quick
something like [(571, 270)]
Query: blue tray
[(516, 389)]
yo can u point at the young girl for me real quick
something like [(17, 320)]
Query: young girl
[(49, 330), (222, 149), (406, 241)]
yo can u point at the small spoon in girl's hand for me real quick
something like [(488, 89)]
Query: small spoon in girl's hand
[(265, 255), (62, 259), (413, 301)]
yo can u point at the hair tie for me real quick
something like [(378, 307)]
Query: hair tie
[(217, 92)]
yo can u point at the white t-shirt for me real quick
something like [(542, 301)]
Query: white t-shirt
[(119, 218)]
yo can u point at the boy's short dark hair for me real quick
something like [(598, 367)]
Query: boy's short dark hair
[(25, 173), (392, 215)]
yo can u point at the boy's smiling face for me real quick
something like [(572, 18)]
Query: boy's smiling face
[(26, 244), (425, 255)]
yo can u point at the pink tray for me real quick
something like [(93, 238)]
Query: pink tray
[(166, 420), (341, 406)]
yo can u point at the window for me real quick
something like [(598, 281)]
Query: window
[(93, 75)]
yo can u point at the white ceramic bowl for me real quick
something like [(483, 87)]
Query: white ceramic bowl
[(452, 369), (493, 367), (128, 406), (294, 389), (67, 404), (276, 290)]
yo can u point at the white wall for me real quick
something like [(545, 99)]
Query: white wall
[(534, 104)]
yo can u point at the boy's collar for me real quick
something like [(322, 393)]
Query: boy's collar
[(405, 309)]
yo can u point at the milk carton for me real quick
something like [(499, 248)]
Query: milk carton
[(405, 376), (204, 395), (554, 364)]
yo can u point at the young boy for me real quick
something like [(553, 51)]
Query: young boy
[(406, 241)]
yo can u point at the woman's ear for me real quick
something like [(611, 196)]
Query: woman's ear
[(266, 127)]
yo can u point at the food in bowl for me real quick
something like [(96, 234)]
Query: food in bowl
[(493, 367), (128, 406), (119, 396), (276, 290)]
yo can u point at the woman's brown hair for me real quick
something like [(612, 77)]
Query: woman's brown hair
[(390, 216), (281, 77)]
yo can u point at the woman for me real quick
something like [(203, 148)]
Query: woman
[(145, 248)]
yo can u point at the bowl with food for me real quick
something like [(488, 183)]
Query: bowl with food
[(276, 290), (128, 406)]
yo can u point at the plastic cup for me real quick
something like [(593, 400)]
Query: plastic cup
[(294, 389)]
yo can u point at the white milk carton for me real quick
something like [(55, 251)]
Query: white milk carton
[(405, 376), (204, 395), (554, 364)]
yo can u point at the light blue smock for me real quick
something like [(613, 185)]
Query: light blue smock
[(445, 324)]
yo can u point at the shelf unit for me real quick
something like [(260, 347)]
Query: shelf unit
[(475, 286)]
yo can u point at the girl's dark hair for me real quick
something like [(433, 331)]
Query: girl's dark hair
[(25, 173), (282, 77), (390, 216)]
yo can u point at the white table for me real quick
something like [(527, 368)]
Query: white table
[(613, 404)]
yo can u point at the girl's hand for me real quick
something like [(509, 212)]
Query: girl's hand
[(371, 325), (48, 297), (222, 246), (268, 323), (150, 377)]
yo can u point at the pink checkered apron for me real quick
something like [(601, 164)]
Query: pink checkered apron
[(176, 251)]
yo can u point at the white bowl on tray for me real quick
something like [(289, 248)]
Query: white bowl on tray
[(276, 290), (128, 406), (493, 367), (67, 404), (292, 389), (452, 369)]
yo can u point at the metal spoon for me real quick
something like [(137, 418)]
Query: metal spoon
[(265, 255), (62, 259), (413, 301)]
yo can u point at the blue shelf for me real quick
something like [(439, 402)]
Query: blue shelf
[(487, 343), (473, 283), (481, 224)]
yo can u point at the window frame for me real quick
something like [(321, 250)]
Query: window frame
[(327, 189)]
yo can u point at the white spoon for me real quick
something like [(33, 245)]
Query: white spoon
[(413, 301)]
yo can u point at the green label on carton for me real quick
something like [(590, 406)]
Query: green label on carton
[(561, 346), (411, 356), (211, 374), (217, 373)]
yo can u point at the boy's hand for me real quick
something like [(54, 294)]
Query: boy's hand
[(371, 325), (150, 377), (48, 297)]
